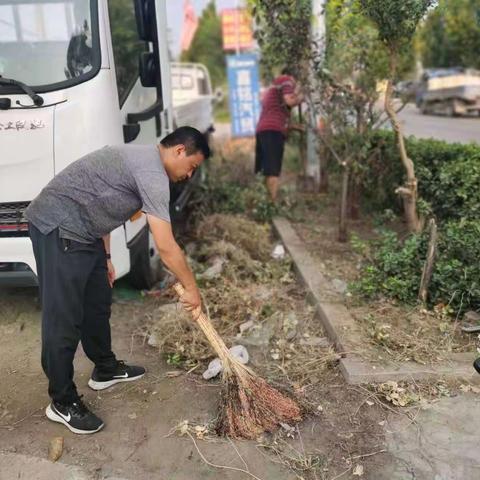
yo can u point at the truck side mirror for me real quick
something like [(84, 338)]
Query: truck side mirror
[(148, 69), (145, 17)]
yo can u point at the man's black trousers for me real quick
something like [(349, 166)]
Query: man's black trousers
[(76, 303)]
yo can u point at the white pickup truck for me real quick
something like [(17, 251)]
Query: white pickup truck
[(192, 95), (76, 75), (192, 104)]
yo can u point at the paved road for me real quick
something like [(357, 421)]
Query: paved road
[(463, 130)]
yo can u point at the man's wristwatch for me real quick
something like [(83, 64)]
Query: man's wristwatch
[(108, 256)]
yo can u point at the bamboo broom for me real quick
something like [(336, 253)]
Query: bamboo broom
[(250, 406)]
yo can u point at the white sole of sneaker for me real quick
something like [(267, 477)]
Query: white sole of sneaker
[(51, 415), (103, 385)]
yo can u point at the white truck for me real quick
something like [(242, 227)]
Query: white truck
[(192, 95), (76, 75), (449, 91), (192, 104)]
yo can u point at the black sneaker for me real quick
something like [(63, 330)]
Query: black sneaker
[(123, 373), (75, 416), (476, 365)]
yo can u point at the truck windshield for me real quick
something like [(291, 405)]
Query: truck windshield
[(46, 42)]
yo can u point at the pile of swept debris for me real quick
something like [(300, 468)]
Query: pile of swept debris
[(254, 302)]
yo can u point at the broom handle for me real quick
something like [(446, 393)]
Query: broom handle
[(206, 326)]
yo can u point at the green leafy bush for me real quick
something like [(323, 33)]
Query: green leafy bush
[(395, 267), (448, 175), (230, 197), (456, 278)]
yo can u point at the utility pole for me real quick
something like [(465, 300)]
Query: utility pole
[(318, 31)]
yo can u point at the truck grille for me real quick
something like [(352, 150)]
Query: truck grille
[(12, 220)]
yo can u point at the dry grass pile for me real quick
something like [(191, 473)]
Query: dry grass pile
[(295, 351), (176, 336), (413, 394), (172, 331), (303, 360), (231, 295), (237, 264), (251, 288), (250, 236)]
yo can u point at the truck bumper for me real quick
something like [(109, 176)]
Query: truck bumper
[(17, 263)]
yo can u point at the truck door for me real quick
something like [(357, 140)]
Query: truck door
[(135, 43), (138, 39)]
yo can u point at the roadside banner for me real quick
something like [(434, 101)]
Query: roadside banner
[(190, 24), (237, 31), (244, 93)]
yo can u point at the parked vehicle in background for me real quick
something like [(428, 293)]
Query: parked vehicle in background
[(192, 96), (192, 102), (79, 75), (450, 91), (406, 90)]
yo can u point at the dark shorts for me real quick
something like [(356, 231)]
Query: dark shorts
[(269, 153)]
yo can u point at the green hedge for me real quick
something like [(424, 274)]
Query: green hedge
[(449, 182), (448, 175), (395, 267)]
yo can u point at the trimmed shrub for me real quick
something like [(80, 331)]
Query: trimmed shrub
[(395, 267), (448, 175)]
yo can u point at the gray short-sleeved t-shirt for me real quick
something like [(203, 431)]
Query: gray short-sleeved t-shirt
[(101, 191)]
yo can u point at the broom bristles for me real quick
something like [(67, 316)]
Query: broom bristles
[(250, 405)]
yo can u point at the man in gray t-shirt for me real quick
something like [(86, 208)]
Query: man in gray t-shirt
[(70, 224)]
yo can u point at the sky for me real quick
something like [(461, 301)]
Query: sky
[(175, 17)]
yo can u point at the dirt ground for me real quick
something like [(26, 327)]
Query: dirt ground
[(139, 416)]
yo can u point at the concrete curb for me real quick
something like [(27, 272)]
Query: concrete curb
[(340, 325)]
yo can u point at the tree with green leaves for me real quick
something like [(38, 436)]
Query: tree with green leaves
[(206, 45), (340, 85), (396, 22), (354, 62), (450, 36), (282, 33)]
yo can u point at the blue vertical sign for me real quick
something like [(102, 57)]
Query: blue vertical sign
[(244, 93)]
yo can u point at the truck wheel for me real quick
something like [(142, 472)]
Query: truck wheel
[(424, 110), (451, 111), (145, 266)]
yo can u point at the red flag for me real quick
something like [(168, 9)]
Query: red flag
[(190, 24)]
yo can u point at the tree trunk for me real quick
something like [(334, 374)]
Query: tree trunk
[(311, 182), (324, 160), (428, 267), (302, 144), (323, 185), (355, 187), (342, 224), (354, 200), (407, 192)]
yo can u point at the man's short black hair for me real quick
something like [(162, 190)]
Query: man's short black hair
[(193, 140)]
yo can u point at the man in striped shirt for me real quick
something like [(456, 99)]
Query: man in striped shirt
[(272, 129)]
